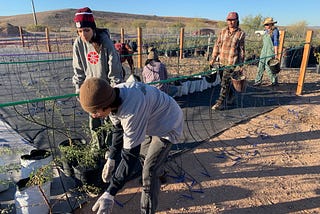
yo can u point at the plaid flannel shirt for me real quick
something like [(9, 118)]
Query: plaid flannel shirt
[(229, 47)]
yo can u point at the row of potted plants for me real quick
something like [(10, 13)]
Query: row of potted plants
[(78, 159)]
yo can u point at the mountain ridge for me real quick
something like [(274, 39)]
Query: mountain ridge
[(64, 18)]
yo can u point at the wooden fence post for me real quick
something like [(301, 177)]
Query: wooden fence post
[(122, 35), (181, 42), (304, 63), (48, 40), (139, 65), (21, 35), (208, 47), (281, 42)]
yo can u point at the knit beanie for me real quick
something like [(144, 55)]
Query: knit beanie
[(153, 54), (96, 93), (84, 18)]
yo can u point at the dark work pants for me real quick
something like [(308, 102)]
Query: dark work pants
[(226, 92), (117, 143), (154, 151), (97, 138)]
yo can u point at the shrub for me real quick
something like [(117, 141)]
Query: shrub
[(36, 28)]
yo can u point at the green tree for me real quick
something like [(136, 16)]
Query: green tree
[(297, 30), (250, 23)]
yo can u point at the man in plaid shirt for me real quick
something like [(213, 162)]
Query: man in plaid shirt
[(229, 51)]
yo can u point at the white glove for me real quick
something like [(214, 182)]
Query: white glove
[(104, 204), (107, 170), (77, 92), (106, 155)]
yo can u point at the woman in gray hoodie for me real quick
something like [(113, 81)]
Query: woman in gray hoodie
[(94, 55)]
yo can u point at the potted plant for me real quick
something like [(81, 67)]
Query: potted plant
[(4, 178), (9, 166), (33, 161), (33, 193), (85, 161), (67, 158)]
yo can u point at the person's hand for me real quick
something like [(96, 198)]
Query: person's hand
[(107, 170), (106, 155), (241, 69), (104, 204)]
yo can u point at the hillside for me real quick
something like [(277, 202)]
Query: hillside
[(64, 18)]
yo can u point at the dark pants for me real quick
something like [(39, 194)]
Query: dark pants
[(101, 137), (97, 136), (226, 91), (117, 143), (154, 151)]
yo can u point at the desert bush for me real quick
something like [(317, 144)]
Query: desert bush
[(36, 28)]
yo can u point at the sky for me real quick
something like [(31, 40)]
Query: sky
[(286, 12)]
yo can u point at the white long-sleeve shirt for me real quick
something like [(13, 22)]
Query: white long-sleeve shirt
[(145, 110)]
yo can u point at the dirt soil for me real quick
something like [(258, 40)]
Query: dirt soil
[(267, 164)]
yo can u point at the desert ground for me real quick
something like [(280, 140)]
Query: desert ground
[(266, 164)]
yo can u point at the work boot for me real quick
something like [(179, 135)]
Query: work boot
[(257, 84), (272, 84), (217, 107)]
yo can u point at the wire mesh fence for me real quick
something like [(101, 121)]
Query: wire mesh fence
[(38, 101)]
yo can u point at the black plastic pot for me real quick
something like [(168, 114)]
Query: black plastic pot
[(211, 78), (274, 65), (36, 154), (67, 164), (21, 184), (89, 176)]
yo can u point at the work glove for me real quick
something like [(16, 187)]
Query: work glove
[(104, 204), (107, 170)]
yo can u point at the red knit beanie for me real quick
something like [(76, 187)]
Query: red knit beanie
[(96, 93), (84, 18)]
